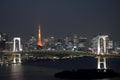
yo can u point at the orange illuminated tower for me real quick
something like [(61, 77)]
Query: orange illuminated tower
[(39, 43)]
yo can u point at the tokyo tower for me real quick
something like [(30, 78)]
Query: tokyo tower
[(39, 42)]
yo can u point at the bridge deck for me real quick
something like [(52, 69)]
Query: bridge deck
[(58, 53)]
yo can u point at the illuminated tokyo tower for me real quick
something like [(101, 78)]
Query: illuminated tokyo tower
[(39, 43)]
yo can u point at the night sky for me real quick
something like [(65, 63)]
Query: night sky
[(60, 18)]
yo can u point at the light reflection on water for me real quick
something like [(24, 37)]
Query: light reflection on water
[(46, 70), (16, 72), (26, 72)]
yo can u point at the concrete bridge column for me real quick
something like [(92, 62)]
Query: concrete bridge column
[(19, 58), (98, 47), (15, 47), (14, 58), (101, 61), (102, 44)]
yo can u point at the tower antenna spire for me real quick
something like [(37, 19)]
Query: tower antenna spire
[(39, 42)]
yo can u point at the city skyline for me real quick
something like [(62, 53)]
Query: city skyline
[(60, 18)]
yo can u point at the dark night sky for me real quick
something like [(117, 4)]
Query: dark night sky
[(60, 17)]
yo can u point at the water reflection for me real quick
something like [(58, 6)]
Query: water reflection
[(16, 72), (45, 70)]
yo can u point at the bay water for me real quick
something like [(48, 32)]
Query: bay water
[(45, 69)]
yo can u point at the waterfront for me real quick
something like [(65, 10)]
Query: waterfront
[(45, 69)]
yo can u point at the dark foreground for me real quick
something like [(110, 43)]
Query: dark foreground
[(87, 74)]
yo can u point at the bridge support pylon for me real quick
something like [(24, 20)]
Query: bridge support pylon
[(101, 64), (16, 58), (17, 47), (17, 44), (19, 59)]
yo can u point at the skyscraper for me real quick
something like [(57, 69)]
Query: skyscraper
[(3, 40), (39, 42)]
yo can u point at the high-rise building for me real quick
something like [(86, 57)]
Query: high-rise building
[(3, 39), (83, 44), (66, 40), (39, 42), (52, 42), (75, 39), (32, 43), (75, 42)]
